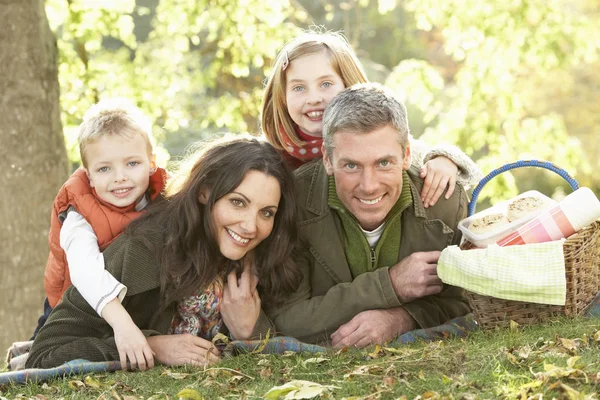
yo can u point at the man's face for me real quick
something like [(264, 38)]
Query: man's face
[(367, 168)]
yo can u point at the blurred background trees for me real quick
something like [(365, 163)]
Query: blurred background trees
[(503, 80)]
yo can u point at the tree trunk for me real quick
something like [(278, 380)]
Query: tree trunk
[(33, 161)]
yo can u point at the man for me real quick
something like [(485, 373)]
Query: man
[(370, 271)]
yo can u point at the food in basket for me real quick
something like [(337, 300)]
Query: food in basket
[(574, 212), (488, 223), (523, 207), (497, 232)]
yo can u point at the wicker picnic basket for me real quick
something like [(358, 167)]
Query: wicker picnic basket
[(582, 270)]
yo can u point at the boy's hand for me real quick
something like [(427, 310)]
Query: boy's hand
[(438, 173), (132, 344)]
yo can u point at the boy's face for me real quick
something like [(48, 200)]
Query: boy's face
[(119, 168)]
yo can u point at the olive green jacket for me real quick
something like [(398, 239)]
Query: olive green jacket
[(74, 330), (328, 297)]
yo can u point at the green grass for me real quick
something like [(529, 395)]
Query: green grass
[(514, 364)]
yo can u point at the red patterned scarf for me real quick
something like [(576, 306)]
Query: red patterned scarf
[(310, 149)]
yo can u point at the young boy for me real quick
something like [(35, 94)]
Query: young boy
[(117, 181)]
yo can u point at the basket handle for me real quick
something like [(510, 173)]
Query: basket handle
[(519, 164)]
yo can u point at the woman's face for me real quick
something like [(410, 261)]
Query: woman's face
[(244, 218)]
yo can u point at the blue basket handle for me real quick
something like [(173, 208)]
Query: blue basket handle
[(519, 164)]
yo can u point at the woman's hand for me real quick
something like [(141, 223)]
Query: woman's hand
[(184, 349), (241, 303), (438, 173)]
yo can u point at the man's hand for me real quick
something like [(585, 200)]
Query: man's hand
[(438, 173), (184, 349), (241, 303), (416, 276), (373, 327)]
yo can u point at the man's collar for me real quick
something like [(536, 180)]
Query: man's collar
[(316, 200)]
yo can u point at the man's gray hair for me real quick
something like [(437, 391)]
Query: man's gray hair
[(363, 108)]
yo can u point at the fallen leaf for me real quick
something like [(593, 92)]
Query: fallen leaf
[(315, 360), (235, 380), (571, 393), (190, 394), (219, 337), (430, 395), (375, 352), (364, 370), (341, 351), (513, 325), (92, 382), (421, 375), (389, 380), (263, 362), (115, 395), (76, 384), (569, 344), (174, 375), (265, 373), (298, 389), (260, 348)]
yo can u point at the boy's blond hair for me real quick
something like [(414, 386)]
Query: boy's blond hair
[(344, 62), (117, 117)]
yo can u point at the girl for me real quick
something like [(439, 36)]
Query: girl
[(198, 263), (308, 72)]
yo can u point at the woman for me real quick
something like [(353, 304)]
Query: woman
[(195, 264)]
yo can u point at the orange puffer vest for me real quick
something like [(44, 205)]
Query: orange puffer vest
[(107, 221)]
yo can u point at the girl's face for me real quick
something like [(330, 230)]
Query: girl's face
[(311, 83), (244, 218)]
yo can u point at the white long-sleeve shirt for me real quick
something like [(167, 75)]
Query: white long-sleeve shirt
[(86, 263)]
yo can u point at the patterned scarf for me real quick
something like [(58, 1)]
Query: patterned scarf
[(200, 314), (310, 149)]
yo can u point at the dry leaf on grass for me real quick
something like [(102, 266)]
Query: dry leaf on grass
[(174, 375), (189, 394), (315, 360), (298, 389), (92, 382), (75, 384)]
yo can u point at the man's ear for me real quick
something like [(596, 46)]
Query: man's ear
[(87, 173), (152, 164), (326, 161), (407, 161), (204, 195)]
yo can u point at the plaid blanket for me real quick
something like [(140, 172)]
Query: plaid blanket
[(277, 345), (458, 327)]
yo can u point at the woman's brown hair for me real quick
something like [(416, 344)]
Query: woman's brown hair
[(190, 257)]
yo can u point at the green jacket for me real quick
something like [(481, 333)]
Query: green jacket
[(74, 330), (328, 297)]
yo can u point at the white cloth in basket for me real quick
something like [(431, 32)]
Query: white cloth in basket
[(533, 273)]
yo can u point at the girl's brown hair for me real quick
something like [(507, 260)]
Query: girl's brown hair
[(190, 257), (346, 65)]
